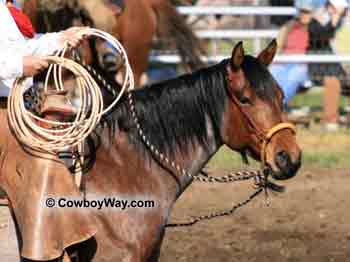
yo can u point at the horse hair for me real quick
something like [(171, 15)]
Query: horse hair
[(174, 114)]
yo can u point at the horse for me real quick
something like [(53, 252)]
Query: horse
[(186, 120), (135, 27), (235, 103)]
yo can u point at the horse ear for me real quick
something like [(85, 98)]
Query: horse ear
[(237, 56), (266, 56)]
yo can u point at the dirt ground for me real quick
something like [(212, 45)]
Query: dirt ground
[(310, 222)]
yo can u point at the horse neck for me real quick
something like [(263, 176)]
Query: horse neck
[(195, 160), (199, 152), (199, 104)]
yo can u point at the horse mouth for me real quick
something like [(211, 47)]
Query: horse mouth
[(278, 173), (286, 173)]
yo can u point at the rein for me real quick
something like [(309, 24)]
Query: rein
[(261, 177)]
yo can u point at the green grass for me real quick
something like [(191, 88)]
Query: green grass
[(226, 159), (327, 160), (320, 150), (313, 98)]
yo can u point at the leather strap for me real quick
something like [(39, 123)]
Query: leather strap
[(263, 137)]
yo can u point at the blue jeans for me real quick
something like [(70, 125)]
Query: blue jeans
[(157, 74), (290, 77)]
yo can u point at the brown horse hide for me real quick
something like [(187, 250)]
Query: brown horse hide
[(28, 180), (102, 16)]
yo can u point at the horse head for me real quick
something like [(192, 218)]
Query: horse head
[(254, 121)]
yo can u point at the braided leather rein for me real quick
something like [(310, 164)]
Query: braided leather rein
[(261, 182), (261, 177)]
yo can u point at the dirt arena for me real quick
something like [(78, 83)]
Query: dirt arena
[(310, 222)]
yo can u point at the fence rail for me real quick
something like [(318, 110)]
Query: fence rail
[(235, 10), (245, 34), (175, 59), (232, 34)]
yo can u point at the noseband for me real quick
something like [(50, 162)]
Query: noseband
[(264, 136)]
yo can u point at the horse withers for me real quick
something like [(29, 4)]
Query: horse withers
[(187, 120)]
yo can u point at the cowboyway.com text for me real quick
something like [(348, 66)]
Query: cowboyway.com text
[(98, 203)]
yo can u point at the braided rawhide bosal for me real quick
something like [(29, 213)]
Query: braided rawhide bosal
[(260, 178), (232, 177), (174, 167)]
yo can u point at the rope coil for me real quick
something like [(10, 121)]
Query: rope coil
[(28, 127), (59, 135)]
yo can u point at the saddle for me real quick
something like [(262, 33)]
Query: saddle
[(52, 105), (56, 106), (55, 103)]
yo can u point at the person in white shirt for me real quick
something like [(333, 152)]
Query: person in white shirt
[(22, 57), (25, 177)]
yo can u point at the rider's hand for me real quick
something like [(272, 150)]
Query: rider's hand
[(33, 65), (73, 36)]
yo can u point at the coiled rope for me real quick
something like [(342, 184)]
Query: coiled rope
[(53, 136)]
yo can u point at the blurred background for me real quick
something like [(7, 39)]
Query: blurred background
[(313, 57)]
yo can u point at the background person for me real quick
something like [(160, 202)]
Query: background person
[(293, 39), (313, 32), (322, 29)]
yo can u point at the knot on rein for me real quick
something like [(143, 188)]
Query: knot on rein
[(50, 136)]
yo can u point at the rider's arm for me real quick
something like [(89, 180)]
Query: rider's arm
[(11, 64), (46, 44)]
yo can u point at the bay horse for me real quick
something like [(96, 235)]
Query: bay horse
[(136, 27), (235, 103), (187, 119)]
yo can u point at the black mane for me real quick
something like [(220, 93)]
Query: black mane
[(259, 77), (174, 114)]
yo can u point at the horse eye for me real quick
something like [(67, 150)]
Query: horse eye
[(244, 100)]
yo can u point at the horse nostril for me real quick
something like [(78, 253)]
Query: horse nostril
[(282, 159)]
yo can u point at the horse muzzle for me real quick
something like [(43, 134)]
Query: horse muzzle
[(287, 161), (287, 168)]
